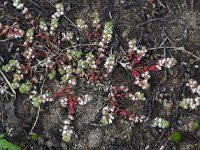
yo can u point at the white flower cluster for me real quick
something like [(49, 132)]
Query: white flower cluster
[(137, 96), (108, 115), (68, 36), (84, 99), (55, 17), (17, 77), (166, 62), (140, 50), (194, 86), (90, 60), (35, 98), (15, 33), (13, 64), (28, 54), (107, 36), (18, 33), (161, 123), (46, 97), (191, 103), (2, 89), (142, 79), (48, 63), (63, 101), (72, 81), (12, 32), (132, 44), (138, 119), (68, 129), (59, 11), (67, 72), (96, 21), (110, 63), (43, 26), (81, 24), (19, 5), (16, 80), (143, 83)]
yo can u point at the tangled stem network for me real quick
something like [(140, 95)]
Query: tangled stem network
[(65, 58)]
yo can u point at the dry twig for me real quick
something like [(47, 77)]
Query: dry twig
[(1, 72)]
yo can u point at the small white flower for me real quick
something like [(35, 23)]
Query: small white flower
[(20, 6)]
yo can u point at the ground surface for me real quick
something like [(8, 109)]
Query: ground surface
[(175, 23)]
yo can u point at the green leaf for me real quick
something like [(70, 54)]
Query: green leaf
[(54, 22), (25, 87), (13, 62), (140, 95), (109, 24), (61, 71), (198, 146), (104, 120), (14, 85), (66, 138), (77, 54), (34, 136), (165, 124), (175, 136), (36, 101), (196, 125), (51, 75), (5, 145), (1, 136), (6, 68), (22, 89)]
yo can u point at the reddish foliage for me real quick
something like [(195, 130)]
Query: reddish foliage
[(132, 117), (122, 112), (152, 68), (150, 2), (114, 103), (31, 74), (130, 53), (119, 96), (58, 93), (92, 76), (71, 103), (98, 61), (134, 73), (137, 59), (61, 92)]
